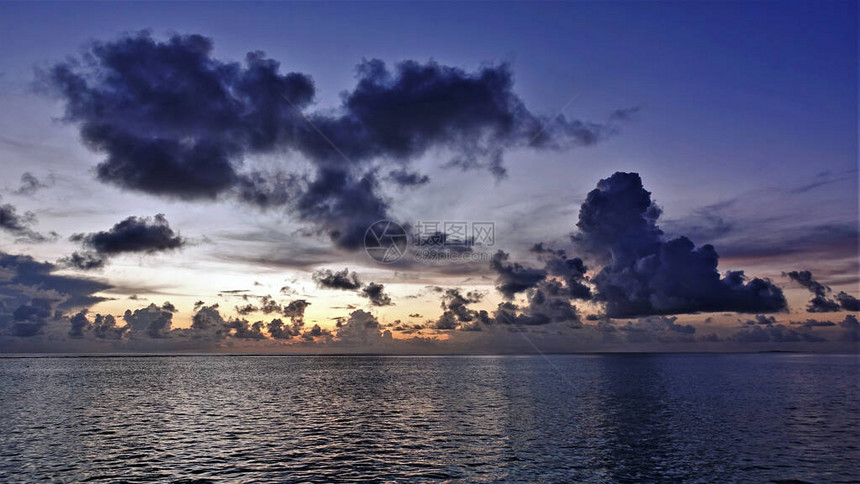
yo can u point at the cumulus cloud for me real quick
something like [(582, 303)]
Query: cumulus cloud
[(242, 329), (295, 310), (105, 327), (376, 294), (79, 324), (643, 274), (173, 121), (132, 235), (207, 322), (456, 313), (150, 322), (362, 329), (344, 280), (548, 302)]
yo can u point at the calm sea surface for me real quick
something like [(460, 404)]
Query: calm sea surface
[(631, 418)]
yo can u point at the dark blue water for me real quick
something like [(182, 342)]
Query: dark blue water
[(632, 418)]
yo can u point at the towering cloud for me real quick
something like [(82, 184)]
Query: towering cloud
[(362, 329), (644, 274), (174, 121), (132, 235), (80, 324), (150, 322)]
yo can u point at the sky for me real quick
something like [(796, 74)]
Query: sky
[(204, 177)]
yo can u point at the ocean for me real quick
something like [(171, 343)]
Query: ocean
[(556, 418)]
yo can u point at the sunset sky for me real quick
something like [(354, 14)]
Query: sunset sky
[(174, 173)]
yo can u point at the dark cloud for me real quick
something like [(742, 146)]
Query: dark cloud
[(80, 324), (20, 226), (31, 296), (376, 294), (171, 119), (645, 275), (456, 311), (268, 305), (848, 302), (242, 329), (344, 280), (406, 178), (146, 235), (295, 310), (28, 319), (548, 302), (342, 205), (316, 332), (760, 319), (513, 278), (570, 270), (176, 122), (821, 303), (85, 261), (804, 278), (247, 309)]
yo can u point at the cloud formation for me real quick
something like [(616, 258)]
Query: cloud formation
[(147, 235), (643, 274), (820, 302), (31, 296), (376, 294), (30, 184), (343, 280), (174, 121), (513, 278), (20, 226), (764, 330)]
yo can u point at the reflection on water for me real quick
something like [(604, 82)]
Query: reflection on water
[(630, 418)]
